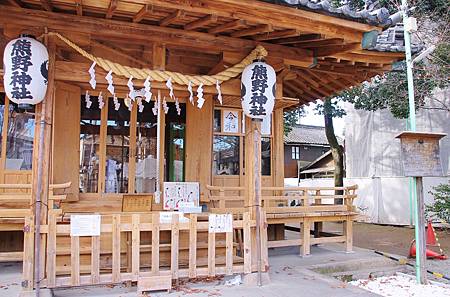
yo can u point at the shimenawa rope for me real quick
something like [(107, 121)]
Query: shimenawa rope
[(162, 76)]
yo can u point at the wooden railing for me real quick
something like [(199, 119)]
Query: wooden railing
[(121, 241), (294, 205), (292, 199), (17, 204)]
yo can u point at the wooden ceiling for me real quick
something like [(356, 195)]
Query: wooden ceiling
[(315, 55)]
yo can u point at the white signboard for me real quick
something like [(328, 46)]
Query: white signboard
[(165, 217), (176, 192), (85, 225), (230, 121), (189, 207), (220, 223)]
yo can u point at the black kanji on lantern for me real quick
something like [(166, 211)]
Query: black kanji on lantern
[(20, 62), (259, 86)]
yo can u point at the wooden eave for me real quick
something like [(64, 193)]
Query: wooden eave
[(315, 55)]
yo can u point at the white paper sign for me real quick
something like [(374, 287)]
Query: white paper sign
[(266, 125), (165, 217), (230, 121), (176, 192), (220, 223), (85, 225)]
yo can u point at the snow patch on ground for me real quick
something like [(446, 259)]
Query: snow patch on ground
[(401, 285)]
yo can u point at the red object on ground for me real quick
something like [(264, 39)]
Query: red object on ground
[(430, 254), (431, 235)]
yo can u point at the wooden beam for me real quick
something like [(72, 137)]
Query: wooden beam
[(47, 5), (277, 34), (320, 43), (206, 20), (302, 38), (253, 31), (227, 27), (79, 7), (111, 9), (217, 68), (119, 52), (336, 49), (140, 33), (141, 14), (367, 57), (15, 3), (171, 18), (280, 16)]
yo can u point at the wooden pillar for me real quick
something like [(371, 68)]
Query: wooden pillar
[(159, 63), (278, 159), (253, 182), (132, 158), (41, 174)]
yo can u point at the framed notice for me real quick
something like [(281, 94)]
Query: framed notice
[(177, 192), (85, 225), (230, 121), (220, 223)]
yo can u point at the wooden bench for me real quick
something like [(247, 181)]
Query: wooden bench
[(15, 205), (296, 205)]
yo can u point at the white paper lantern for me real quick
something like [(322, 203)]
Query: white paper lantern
[(258, 90), (25, 62)]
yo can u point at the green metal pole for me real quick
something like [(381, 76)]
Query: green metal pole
[(412, 121)]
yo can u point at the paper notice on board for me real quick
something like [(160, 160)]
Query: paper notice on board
[(165, 217), (220, 223), (85, 225)]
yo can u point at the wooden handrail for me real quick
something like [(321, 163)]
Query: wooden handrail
[(218, 188), (28, 186), (285, 189)]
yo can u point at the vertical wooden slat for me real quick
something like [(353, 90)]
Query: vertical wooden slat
[(51, 250), (211, 254), (135, 244), (348, 232), (132, 154), (174, 246), (155, 243), (306, 228), (116, 248), (229, 253), (247, 244), (28, 253), (265, 251), (95, 260), (102, 147), (193, 246), (222, 199), (74, 260)]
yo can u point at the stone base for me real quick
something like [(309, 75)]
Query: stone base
[(43, 293), (251, 279)]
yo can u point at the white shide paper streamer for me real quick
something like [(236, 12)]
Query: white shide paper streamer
[(91, 71)]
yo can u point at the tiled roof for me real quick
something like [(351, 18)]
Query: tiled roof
[(307, 134), (372, 14), (392, 40)]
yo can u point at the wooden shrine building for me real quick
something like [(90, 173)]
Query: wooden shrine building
[(108, 155)]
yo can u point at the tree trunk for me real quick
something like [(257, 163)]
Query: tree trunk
[(336, 149)]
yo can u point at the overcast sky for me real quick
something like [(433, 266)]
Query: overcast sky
[(311, 118)]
